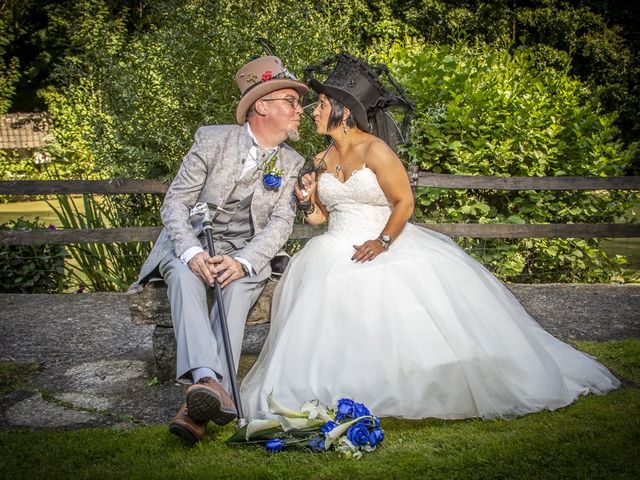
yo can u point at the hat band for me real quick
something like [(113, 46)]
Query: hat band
[(284, 75)]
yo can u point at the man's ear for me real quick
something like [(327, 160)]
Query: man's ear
[(260, 107)]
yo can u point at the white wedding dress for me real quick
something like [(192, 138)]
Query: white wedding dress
[(423, 330)]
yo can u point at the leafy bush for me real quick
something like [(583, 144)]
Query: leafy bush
[(596, 41), (31, 268), (134, 106), (107, 266), (484, 111)]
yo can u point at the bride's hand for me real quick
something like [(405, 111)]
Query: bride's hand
[(309, 185), (367, 251)]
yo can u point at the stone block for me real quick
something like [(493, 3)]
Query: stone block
[(164, 348), (150, 306)]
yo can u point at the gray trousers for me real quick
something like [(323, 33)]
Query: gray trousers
[(198, 333)]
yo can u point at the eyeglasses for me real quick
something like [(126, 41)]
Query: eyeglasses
[(293, 101)]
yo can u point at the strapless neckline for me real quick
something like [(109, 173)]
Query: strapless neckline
[(353, 174)]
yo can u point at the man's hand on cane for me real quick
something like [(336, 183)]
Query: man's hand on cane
[(203, 267), (227, 269)]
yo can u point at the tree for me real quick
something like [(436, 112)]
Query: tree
[(598, 40), (137, 103), (39, 44)]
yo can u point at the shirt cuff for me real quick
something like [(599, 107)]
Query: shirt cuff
[(189, 254), (246, 263)]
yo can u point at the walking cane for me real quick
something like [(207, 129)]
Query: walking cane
[(207, 226)]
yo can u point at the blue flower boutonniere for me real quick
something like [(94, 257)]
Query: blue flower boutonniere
[(272, 176)]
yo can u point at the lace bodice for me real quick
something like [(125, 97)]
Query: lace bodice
[(355, 205)]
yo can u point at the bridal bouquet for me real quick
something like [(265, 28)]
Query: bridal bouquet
[(349, 428)]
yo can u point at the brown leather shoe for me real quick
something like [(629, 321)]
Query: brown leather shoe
[(185, 427), (208, 400)]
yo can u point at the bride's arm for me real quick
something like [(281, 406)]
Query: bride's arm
[(392, 178), (394, 181)]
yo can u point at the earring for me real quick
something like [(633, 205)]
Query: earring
[(345, 129)]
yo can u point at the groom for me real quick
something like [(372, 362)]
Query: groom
[(245, 173)]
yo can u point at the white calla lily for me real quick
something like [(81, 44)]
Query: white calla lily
[(257, 426), (289, 423), (278, 409)]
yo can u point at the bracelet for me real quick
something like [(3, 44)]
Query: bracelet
[(385, 241), (305, 206), (308, 212)]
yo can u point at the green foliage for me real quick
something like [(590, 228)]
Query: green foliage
[(110, 266), (31, 268), (9, 75), (94, 39), (136, 109), (601, 52), (14, 166), (9, 69), (484, 111), (128, 100), (598, 39), (440, 21)]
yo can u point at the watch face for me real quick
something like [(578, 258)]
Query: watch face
[(386, 238)]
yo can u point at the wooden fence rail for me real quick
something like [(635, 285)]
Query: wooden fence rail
[(301, 232), (420, 179)]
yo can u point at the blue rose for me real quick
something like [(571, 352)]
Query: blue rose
[(358, 434), (327, 427), (345, 408), (274, 445), (376, 436), (359, 410), (272, 181), (316, 444)]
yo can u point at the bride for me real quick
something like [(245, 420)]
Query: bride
[(390, 314)]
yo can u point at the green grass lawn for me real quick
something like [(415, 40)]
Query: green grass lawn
[(596, 437)]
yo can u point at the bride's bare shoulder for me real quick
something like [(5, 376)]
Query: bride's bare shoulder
[(379, 154)]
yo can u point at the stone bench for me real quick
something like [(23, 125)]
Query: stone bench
[(150, 306), (567, 311)]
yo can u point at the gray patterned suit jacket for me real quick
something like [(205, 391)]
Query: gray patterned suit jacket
[(208, 173)]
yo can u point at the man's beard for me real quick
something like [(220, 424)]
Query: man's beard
[(293, 135)]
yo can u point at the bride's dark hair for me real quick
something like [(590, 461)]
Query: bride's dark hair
[(337, 111)]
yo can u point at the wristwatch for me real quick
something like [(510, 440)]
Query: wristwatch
[(385, 240)]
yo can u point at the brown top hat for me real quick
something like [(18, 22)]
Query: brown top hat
[(261, 77), (354, 84)]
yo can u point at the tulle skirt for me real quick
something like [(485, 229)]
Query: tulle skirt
[(422, 331)]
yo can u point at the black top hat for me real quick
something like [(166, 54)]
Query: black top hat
[(353, 83), (359, 86)]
